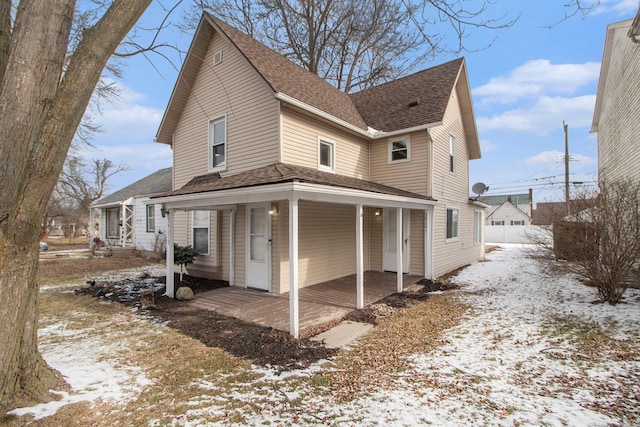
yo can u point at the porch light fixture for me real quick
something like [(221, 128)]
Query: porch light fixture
[(164, 212), (377, 212), (274, 209)]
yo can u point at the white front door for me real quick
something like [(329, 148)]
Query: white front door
[(258, 226), (389, 240)]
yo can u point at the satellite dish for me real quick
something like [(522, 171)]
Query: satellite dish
[(479, 188)]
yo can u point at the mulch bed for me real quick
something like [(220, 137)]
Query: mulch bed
[(262, 345)]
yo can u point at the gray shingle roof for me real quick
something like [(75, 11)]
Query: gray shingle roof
[(157, 182), (414, 100), (497, 200), (279, 173)]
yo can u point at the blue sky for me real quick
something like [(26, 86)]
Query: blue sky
[(524, 86)]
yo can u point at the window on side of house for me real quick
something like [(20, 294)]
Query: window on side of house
[(217, 144), (200, 231), (452, 153), (326, 155), (151, 218), (477, 228), (497, 222), (521, 222), (113, 223), (452, 223), (399, 150)]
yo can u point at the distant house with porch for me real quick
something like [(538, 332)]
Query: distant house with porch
[(281, 181), (128, 218)]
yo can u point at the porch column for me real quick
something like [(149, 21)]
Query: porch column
[(232, 247), (293, 268), (399, 248), (170, 290), (123, 209), (359, 259)]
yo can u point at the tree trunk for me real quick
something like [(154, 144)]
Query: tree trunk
[(39, 113)]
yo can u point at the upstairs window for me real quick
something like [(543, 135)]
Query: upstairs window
[(399, 150), (452, 153), (326, 155), (217, 144)]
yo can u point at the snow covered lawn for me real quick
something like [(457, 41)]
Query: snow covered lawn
[(533, 349)]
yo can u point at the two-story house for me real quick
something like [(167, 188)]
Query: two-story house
[(615, 117), (282, 181)]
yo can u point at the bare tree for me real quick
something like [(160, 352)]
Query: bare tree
[(84, 184), (608, 247), (355, 44), (44, 92)]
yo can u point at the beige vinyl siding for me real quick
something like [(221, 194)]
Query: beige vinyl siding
[(326, 240), (618, 126), (300, 135), (232, 89), (411, 175), (374, 247), (452, 190), (416, 250)]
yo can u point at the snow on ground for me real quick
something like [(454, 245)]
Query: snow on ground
[(89, 361), (514, 360), (506, 364)]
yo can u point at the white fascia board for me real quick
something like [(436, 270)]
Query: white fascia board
[(379, 135), (370, 133), (106, 205), (291, 190)]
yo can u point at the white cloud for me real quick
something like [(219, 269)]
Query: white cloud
[(127, 119), (544, 116), (619, 7), (536, 78)]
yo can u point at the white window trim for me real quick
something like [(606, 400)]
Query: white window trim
[(452, 154), (223, 166), (478, 222), (331, 143), (390, 149), (457, 236), (208, 227), (151, 208)]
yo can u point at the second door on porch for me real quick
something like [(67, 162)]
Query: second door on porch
[(258, 250), (389, 241)]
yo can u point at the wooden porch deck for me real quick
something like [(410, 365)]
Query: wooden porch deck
[(318, 304)]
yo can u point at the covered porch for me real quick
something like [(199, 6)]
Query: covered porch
[(318, 304)]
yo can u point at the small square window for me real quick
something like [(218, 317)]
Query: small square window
[(399, 150), (326, 155)]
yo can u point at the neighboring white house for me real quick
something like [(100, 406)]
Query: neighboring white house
[(126, 218), (507, 214), (617, 110)]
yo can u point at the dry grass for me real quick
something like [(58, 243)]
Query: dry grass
[(184, 375)]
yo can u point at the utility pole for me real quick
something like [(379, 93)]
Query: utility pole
[(566, 166)]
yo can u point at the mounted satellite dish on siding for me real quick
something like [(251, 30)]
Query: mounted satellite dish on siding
[(479, 188)]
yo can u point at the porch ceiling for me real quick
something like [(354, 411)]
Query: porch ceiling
[(319, 304)]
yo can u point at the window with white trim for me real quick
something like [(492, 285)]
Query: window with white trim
[(151, 218), (521, 222), (497, 222), (218, 144), (399, 150), (200, 231), (477, 227), (452, 223), (326, 155), (452, 153)]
